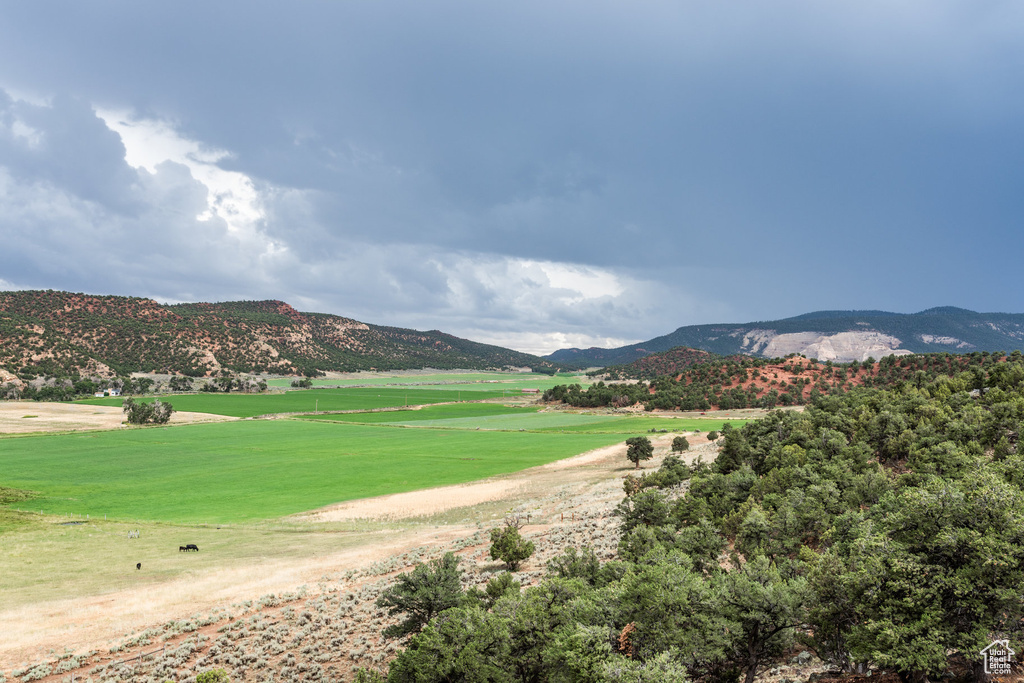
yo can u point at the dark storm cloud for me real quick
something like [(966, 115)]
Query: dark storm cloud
[(714, 162)]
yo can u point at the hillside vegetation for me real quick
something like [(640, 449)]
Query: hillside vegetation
[(741, 382), (64, 334), (879, 529)]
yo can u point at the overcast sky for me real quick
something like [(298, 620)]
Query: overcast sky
[(531, 174)]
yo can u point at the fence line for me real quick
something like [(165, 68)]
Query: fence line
[(138, 657)]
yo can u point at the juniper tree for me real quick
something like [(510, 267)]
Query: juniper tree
[(508, 545), (639, 448), (421, 594), (680, 444)]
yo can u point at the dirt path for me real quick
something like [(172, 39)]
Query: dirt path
[(568, 502), (445, 498)]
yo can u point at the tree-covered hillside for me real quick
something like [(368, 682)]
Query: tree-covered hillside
[(880, 529), (65, 334), (742, 382)]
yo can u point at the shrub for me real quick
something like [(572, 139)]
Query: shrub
[(213, 676), (509, 546)]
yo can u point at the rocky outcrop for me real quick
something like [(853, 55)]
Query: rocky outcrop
[(948, 341), (755, 340), (841, 347)]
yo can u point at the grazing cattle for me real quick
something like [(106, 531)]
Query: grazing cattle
[(138, 565), (192, 546), (182, 549)]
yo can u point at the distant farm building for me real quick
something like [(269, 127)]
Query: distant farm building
[(531, 391)]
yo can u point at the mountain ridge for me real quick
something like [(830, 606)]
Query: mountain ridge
[(830, 335), (47, 332)]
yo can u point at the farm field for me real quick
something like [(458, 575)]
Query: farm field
[(257, 470), (637, 425), (518, 379), (308, 400), (530, 419), (428, 413)]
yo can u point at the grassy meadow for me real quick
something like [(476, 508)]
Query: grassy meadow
[(441, 380), (309, 400), (429, 413), (512, 418), (254, 470), (257, 470)]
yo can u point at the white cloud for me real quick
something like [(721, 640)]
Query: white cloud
[(10, 286), (527, 285), (231, 195), (543, 343), (129, 209), (583, 282), (166, 221), (23, 131)]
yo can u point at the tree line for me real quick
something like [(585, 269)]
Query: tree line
[(735, 383), (73, 388)]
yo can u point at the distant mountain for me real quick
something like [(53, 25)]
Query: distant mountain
[(62, 333), (830, 335)]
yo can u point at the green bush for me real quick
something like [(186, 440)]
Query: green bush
[(509, 546), (157, 412), (426, 591)]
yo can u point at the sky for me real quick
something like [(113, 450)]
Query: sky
[(536, 175)]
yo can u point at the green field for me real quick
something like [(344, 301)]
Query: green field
[(246, 471), (633, 425), (533, 421), (428, 413), (519, 379), (309, 400), (513, 418)]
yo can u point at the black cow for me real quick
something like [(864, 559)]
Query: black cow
[(138, 565), (192, 546), (182, 548)]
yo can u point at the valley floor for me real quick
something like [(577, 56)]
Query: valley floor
[(307, 606)]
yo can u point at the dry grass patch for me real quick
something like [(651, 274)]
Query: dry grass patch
[(23, 417)]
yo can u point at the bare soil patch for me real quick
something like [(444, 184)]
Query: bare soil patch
[(23, 417)]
